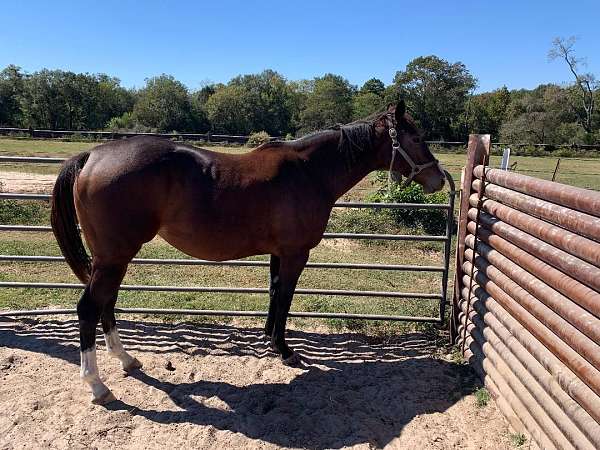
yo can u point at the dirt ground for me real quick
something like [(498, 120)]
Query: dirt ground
[(26, 182), (217, 386)]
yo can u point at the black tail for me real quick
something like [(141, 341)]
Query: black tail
[(64, 218)]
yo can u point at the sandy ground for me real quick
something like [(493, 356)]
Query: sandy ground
[(217, 386), (26, 182)]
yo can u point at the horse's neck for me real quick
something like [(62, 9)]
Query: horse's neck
[(332, 168)]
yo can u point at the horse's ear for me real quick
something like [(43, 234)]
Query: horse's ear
[(400, 110)]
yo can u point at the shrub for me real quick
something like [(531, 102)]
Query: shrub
[(124, 122), (433, 221), (256, 139)]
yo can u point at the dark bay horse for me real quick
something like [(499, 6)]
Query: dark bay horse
[(273, 200)]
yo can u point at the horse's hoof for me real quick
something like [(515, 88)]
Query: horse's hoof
[(274, 349), (104, 399), (133, 365), (293, 361)]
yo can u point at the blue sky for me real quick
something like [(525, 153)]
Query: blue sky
[(501, 42)]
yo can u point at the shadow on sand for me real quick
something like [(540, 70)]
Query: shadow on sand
[(352, 390)]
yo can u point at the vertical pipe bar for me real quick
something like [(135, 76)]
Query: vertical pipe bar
[(447, 245), (479, 147)]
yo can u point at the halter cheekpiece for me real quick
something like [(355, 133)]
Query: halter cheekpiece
[(396, 148)]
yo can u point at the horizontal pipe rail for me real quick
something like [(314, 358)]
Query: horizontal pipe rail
[(537, 410), (31, 159), (578, 292), (575, 221), (579, 317), (537, 433), (367, 236), (237, 263), (569, 264), (210, 312), (580, 199), (559, 326), (492, 311), (225, 289), (573, 243), (370, 205), (544, 389), (573, 360)]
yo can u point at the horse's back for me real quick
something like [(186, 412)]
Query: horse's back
[(124, 190)]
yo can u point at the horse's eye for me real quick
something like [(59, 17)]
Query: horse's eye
[(416, 140)]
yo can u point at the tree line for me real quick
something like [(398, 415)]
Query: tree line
[(439, 95)]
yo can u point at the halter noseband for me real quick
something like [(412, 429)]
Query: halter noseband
[(415, 168)]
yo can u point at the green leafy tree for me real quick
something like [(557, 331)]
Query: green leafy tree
[(12, 87), (436, 92), (373, 86), (164, 104), (365, 104), (369, 99), (252, 103), (486, 112), (228, 111), (539, 116), (329, 103)]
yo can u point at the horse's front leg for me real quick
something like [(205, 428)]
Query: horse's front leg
[(290, 268)]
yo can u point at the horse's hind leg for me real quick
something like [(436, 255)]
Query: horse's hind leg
[(274, 284), (100, 292), (113, 342)]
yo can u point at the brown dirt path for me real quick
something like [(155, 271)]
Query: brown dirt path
[(227, 391)]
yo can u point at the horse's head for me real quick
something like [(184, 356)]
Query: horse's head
[(403, 151)]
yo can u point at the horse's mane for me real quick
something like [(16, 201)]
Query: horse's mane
[(355, 138)]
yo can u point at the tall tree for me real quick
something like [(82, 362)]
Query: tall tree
[(164, 103), (373, 86), (329, 103), (585, 84), (250, 103), (436, 92), (486, 112), (11, 93)]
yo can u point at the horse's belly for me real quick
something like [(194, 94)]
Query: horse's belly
[(214, 245)]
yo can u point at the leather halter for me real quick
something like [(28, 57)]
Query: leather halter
[(396, 148)]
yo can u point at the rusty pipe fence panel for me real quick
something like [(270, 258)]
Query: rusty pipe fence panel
[(526, 303), (440, 297)]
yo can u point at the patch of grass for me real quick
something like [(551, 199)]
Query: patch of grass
[(482, 397), (19, 212), (456, 355), (517, 439)]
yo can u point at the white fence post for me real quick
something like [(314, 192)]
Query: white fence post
[(505, 159)]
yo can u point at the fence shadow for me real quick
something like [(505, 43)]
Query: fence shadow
[(353, 390)]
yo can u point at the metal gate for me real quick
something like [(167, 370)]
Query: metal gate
[(442, 297)]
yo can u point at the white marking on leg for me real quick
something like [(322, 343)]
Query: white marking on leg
[(115, 349), (89, 374)]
